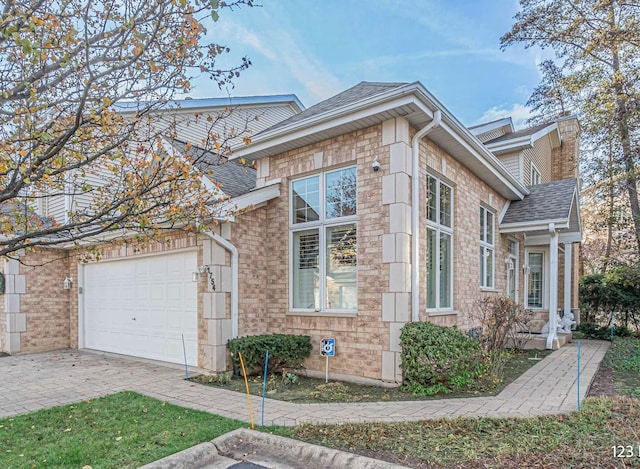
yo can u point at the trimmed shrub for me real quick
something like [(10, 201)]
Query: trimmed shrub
[(438, 359), (285, 351), (591, 330)]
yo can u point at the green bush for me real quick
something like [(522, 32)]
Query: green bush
[(438, 359), (285, 351), (591, 330)]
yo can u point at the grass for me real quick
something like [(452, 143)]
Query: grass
[(118, 431), (623, 357), (582, 439), (301, 389)]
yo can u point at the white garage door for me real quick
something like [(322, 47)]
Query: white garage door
[(142, 307)]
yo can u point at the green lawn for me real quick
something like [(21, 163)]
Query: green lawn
[(582, 439), (118, 431), (623, 357)]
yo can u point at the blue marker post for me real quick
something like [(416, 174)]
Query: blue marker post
[(578, 376), (184, 351), (264, 384), (613, 327)]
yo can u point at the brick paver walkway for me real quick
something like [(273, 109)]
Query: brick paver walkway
[(37, 381)]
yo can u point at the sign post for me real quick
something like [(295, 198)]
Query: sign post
[(327, 349)]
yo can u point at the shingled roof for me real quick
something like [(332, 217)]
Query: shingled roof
[(234, 178), (550, 201), (518, 134), (362, 90)]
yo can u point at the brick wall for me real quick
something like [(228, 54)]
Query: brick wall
[(564, 163)]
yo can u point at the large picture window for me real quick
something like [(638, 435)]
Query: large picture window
[(486, 247), (439, 244), (323, 233)]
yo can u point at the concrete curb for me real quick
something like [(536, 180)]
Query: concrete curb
[(265, 450), (285, 453)]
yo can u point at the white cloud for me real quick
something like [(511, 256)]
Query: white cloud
[(518, 113)]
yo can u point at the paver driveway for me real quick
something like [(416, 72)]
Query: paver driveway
[(36, 381)]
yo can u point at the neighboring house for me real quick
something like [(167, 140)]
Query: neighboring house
[(340, 241)]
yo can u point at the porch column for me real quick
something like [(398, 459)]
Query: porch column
[(567, 276), (553, 286)]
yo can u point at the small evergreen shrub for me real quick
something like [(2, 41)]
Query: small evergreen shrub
[(285, 351), (438, 359), (592, 330)]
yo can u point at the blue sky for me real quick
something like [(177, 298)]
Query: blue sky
[(316, 49)]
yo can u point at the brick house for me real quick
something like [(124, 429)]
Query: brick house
[(369, 210)]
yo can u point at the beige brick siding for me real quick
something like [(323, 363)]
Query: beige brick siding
[(565, 158), (46, 304)]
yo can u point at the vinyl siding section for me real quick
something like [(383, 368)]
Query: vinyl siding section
[(511, 161), (540, 156)]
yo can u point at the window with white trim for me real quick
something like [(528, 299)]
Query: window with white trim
[(535, 280), (486, 247), (512, 270), (439, 244), (324, 248), (535, 175)]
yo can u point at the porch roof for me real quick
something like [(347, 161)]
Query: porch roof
[(551, 203)]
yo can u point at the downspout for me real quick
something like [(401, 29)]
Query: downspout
[(415, 213), (234, 278)]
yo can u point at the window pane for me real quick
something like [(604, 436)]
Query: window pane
[(482, 224), (306, 290), (445, 270), (489, 227), (341, 267), (535, 282), (306, 200), (341, 193), (489, 272), (445, 205), (431, 199), (482, 267), (432, 263)]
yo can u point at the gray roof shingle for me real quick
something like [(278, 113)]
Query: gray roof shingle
[(362, 90), (519, 133), (549, 201), (234, 178)]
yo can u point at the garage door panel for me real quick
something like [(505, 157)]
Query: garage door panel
[(158, 292)]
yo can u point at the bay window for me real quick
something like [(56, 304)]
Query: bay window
[(324, 246)]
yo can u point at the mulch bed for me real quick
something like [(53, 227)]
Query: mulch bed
[(602, 385)]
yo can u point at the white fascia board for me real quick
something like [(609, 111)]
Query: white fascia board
[(489, 126), (538, 225), (253, 198), (545, 239), (508, 146), (490, 162), (321, 123), (503, 212)]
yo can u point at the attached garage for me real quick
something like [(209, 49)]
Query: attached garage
[(142, 306)]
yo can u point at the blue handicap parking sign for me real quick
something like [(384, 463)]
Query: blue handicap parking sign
[(328, 347)]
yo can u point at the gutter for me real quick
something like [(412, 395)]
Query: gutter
[(415, 213), (234, 277)]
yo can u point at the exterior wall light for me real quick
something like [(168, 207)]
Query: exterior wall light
[(509, 262), (66, 283), (199, 273)]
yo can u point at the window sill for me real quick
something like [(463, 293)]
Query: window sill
[(326, 314), (489, 290), (444, 312)]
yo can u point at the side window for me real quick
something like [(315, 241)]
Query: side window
[(486, 247), (439, 244)]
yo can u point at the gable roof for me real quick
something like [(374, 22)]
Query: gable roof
[(553, 202), (369, 104), (362, 90), (234, 178), (524, 138)]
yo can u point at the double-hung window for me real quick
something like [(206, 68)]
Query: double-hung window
[(486, 247), (439, 244), (536, 178), (324, 249)]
